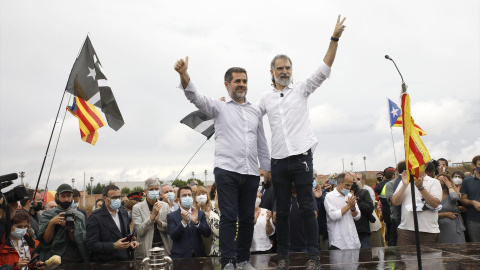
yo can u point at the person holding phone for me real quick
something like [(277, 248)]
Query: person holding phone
[(108, 230)]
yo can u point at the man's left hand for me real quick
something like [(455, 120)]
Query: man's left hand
[(317, 191), (194, 216), (419, 182), (339, 27)]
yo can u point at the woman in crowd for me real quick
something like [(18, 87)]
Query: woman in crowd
[(20, 245), (129, 206), (263, 228), (449, 219), (213, 194), (202, 202)]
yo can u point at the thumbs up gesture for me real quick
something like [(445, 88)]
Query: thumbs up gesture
[(181, 65)]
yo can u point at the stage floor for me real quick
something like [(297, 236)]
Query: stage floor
[(435, 257)]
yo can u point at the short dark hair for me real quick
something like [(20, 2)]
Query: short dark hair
[(401, 166), (184, 187), (430, 167), (341, 177), (20, 216), (442, 159), (229, 74), (30, 197), (107, 189), (462, 175), (76, 193), (475, 159), (99, 200)]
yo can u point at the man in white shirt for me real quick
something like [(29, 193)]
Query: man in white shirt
[(428, 189), (239, 144), (342, 209), (293, 143)]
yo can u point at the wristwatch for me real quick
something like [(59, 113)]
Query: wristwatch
[(421, 188)]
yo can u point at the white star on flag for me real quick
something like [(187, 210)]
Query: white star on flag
[(394, 111), (92, 73)]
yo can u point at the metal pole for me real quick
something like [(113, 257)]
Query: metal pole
[(91, 190), (393, 143), (351, 163), (22, 175), (365, 164), (415, 222), (206, 178), (343, 165), (73, 183)]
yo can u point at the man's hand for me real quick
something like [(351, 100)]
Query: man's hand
[(419, 182), (451, 215), (22, 263), (405, 177), (194, 216), (155, 210), (38, 267), (267, 177), (351, 202), (58, 220), (134, 244), (317, 191), (184, 217), (165, 199), (476, 204), (181, 65), (122, 245), (339, 27), (269, 215)]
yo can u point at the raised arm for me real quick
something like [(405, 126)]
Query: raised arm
[(181, 67), (332, 49)]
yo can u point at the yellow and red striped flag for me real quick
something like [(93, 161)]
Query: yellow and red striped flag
[(88, 118), (396, 118), (416, 154)]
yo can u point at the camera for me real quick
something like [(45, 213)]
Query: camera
[(69, 219), (17, 193)]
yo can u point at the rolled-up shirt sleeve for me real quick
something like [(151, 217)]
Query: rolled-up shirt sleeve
[(207, 105)]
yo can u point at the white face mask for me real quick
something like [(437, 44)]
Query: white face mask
[(257, 202), (201, 199), (457, 181)]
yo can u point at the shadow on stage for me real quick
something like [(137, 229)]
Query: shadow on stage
[(435, 257)]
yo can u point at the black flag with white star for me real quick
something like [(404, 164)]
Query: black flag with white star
[(88, 82)]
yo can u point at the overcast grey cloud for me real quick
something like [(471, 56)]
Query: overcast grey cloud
[(434, 43)]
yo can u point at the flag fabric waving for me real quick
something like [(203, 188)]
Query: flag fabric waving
[(416, 154), (88, 82), (200, 122), (396, 118), (89, 119)]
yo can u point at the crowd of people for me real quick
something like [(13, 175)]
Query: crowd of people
[(185, 220)]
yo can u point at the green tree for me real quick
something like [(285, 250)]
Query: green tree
[(200, 182), (135, 189), (98, 188), (125, 190), (179, 183)]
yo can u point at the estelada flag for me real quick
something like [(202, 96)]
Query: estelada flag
[(416, 154), (89, 119), (395, 114), (88, 82), (200, 122)]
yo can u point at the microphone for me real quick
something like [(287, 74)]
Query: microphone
[(281, 94), (8, 177), (404, 86), (51, 263)]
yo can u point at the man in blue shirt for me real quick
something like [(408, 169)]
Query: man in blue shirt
[(471, 199)]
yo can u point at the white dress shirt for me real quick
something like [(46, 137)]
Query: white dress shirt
[(288, 115), (260, 239), (428, 219), (239, 137), (116, 219), (342, 232)]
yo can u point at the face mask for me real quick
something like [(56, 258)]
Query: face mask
[(457, 181), (478, 169), (73, 206), (115, 204), (187, 202), (314, 184), (19, 233), (38, 207), (257, 202), (171, 196), (64, 205), (354, 186), (153, 194), (379, 179), (201, 199)]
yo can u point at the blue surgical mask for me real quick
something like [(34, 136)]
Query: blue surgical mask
[(171, 196), (115, 204), (314, 184), (19, 233), (187, 201), (153, 194), (345, 191)]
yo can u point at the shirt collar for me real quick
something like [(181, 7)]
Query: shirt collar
[(229, 99)]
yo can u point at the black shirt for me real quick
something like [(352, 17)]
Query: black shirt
[(157, 238)]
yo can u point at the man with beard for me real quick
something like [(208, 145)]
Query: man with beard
[(293, 143), (239, 143)]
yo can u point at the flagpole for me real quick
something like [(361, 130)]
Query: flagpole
[(393, 143), (191, 159)]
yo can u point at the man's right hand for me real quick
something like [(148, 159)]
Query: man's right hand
[(185, 217), (181, 65), (122, 245), (58, 219)]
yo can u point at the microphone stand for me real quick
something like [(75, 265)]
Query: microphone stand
[(412, 190)]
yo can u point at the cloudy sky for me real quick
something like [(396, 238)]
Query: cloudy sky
[(436, 45)]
